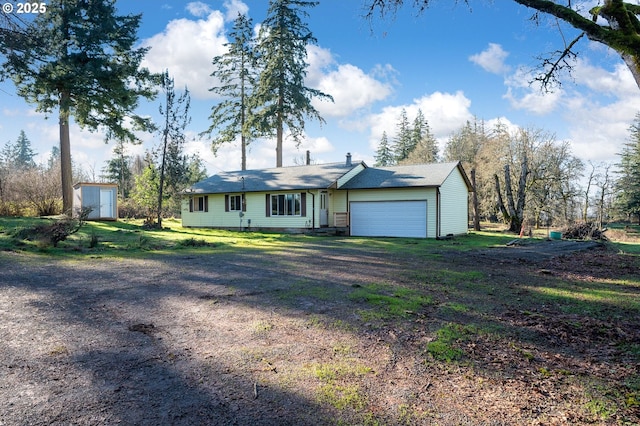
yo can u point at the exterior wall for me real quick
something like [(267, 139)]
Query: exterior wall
[(454, 205), (217, 217), (337, 204), (402, 194)]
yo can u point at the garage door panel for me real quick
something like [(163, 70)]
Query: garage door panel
[(388, 218)]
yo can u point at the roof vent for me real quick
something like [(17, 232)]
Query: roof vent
[(349, 159)]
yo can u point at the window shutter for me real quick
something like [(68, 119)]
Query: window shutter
[(303, 204), (191, 204), (226, 202), (268, 210), (243, 201), (206, 203)]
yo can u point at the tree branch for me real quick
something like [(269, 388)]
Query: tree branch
[(549, 78)]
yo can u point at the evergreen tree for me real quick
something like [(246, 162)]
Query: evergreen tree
[(281, 98), (54, 158), (425, 149), (628, 182), (173, 167), (384, 154), (78, 58), (236, 72), (196, 170), (23, 153), (404, 142), (19, 155), (118, 169)]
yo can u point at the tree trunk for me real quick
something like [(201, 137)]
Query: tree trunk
[(511, 205), (499, 200), (65, 155), (518, 218), (162, 166), (279, 132), (243, 149), (476, 208)]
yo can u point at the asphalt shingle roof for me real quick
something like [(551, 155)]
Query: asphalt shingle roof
[(320, 176), (315, 176), (414, 175)]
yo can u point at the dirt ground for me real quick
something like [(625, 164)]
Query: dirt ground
[(259, 338)]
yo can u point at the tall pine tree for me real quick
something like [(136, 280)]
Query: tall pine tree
[(236, 72), (425, 145), (79, 59), (118, 169), (281, 97), (403, 142)]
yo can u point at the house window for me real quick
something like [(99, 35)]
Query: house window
[(199, 204), (235, 203), (286, 205)]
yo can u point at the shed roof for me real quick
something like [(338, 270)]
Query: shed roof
[(414, 175), (315, 176), (103, 184)]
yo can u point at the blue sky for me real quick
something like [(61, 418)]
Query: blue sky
[(452, 62)]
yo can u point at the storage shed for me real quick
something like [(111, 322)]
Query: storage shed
[(102, 198)]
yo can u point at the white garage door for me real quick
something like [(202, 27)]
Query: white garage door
[(388, 218)]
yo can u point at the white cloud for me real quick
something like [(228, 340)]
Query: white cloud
[(199, 9), (350, 87), (525, 96), (599, 117), (619, 82), (445, 113), (234, 8), (491, 59), (186, 48)]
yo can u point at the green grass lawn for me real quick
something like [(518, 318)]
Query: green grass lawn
[(127, 237)]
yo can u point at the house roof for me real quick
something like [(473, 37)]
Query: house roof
[(321, 176), (315, 176), (414, 175)]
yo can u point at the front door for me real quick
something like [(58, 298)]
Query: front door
[(324, 209)]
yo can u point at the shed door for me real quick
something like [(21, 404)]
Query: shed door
[(389, 218), (106, 203)]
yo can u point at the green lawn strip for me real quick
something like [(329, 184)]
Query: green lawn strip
[(598, 299), (387, 302), (339, 384), (448, 339), (128, 237)]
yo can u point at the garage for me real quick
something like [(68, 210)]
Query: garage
[(388, 218)]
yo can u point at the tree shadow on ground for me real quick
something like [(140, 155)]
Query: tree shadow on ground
[(150, 340)]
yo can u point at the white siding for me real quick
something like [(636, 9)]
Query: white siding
[(217, 217), (454, 208)]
